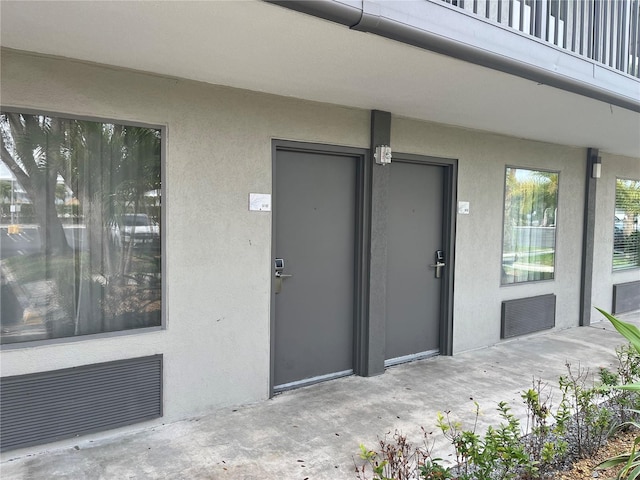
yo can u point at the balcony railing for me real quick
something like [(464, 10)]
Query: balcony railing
[(606, 31)]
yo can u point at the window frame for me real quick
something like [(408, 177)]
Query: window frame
[(555, 245), (615, 207), (163, 129)]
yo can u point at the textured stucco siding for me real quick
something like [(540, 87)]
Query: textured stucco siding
[(482, 159), (604, 277), (218, 254)]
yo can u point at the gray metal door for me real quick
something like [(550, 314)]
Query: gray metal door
[(315, 225), (415, 235)]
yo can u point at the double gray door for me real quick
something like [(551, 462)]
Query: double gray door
[(315, 231), (415, 234)]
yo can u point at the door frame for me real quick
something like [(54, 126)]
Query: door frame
[(361, 244), (449, 215)]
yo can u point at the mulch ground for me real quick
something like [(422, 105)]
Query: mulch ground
[(585, 469)]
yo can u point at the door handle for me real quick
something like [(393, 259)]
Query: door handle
[(279, 267), (438, 266), (278, 281), (439, 263)]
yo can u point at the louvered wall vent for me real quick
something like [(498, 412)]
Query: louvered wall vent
[(48, 406), (626, 297), (528, 315)]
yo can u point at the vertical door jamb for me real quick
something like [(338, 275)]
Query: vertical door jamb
[(449, 216)]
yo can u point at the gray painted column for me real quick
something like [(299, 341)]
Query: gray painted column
[(380, 174), (589, 229)]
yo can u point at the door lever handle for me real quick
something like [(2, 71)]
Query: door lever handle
[(282, 275), (438, 266)]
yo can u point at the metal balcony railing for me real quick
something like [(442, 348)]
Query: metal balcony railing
[(605, 31)]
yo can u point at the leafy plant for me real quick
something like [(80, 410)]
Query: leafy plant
[(590, 421), (629, 462), (545, 429), (499, 454), (623, 402), (432, 469), (452, 431)]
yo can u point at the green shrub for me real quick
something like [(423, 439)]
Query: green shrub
[(499, 454), (628, 462)]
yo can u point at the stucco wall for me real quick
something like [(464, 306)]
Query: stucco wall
[(218, 254), (481, 172), (604, 277)]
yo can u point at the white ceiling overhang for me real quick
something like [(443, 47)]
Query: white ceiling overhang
[(263, 47)]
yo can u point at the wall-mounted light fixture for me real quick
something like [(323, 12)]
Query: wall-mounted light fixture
[(596, 167), (382, 154)]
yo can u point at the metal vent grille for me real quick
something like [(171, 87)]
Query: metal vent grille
[(44, 407), (528, 315), (626, 297)]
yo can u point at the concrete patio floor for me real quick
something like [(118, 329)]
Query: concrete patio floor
[(314, 432)]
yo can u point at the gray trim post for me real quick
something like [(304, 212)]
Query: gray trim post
[(588, 238), (373, 351)]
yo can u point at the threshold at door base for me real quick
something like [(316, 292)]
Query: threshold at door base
[(310, 381), (411, 358)]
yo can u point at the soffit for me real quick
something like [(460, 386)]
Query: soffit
[(263, 47)]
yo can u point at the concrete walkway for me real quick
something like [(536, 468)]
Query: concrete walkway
[(313, 433)]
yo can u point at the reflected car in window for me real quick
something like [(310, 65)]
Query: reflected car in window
[(137, 228)]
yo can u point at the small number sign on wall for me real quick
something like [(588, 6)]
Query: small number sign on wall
[(260, 202)]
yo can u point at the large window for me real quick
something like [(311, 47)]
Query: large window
[(529, 230), (626, 225), (80, 248)]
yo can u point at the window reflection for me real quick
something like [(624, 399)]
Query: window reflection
[(80, 249), (626, 225), (529, 236)]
